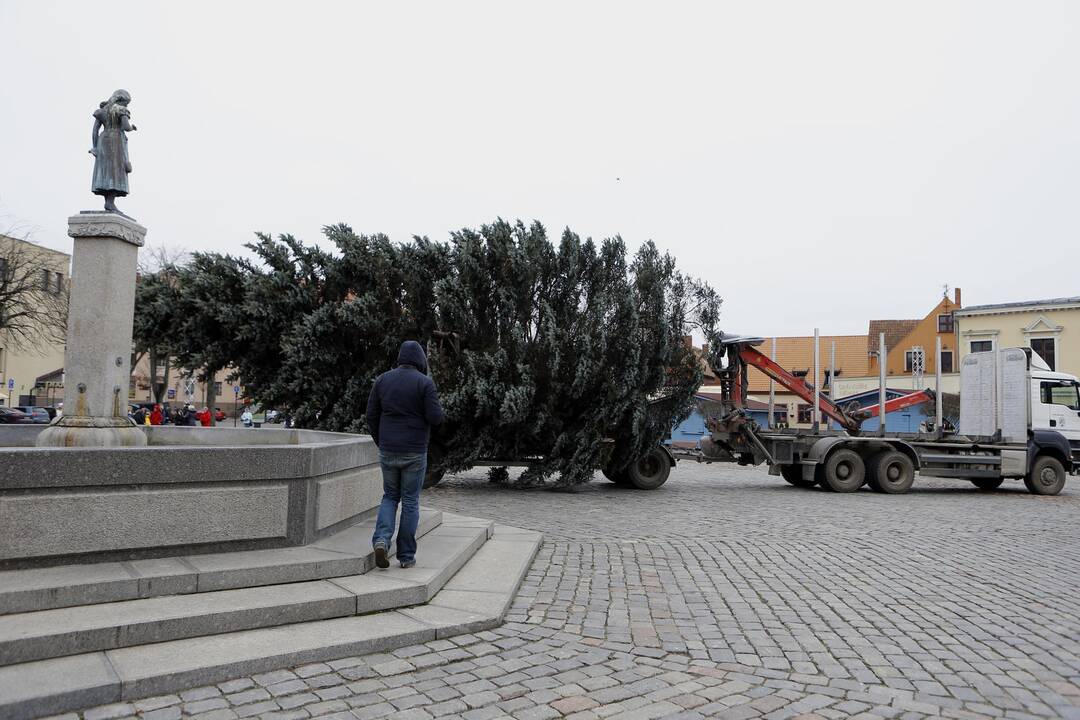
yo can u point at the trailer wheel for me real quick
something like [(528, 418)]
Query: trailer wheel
[(987, 483), (1047, 476), (434, 473), (433, 477), (651, 471), (793, 474), (619, 478), (891, 472), (844, 471)]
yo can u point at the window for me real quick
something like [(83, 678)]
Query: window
[(58, 283), (1045, 348), (946, 361), (1059, 393), (217, 389), (914, 360), (3, 269), (806, 413), (945, 323), (982, 345), (46, 281)]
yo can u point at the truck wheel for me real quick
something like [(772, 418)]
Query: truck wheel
[(1047, 476), (844, 471), (891, 472), (793, 474), (651, 471), (987, 483)]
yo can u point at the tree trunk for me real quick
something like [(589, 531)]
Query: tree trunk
[(159, 388), (211, 395)]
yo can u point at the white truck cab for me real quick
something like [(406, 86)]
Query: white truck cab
[(1055, 401)]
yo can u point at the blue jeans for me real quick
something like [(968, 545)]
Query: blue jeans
[(403, 477)]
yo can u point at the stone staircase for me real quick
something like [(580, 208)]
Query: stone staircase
[(83, 635)]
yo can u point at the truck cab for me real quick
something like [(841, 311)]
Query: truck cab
[(1055, 401)]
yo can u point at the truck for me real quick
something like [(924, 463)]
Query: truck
[(1018, 420)]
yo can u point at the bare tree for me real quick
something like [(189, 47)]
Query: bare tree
[(33, 295), (155, 258)]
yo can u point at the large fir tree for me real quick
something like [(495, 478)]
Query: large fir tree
[(570, 355)]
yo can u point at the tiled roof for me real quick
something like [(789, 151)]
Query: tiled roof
[(797, 353), (895, 331)]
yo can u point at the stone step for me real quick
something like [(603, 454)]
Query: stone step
[(347, 552), (74, 630), (475, 599)]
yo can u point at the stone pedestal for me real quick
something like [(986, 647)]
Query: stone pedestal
[(100, 318)]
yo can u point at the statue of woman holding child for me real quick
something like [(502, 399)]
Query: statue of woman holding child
[(112, 122)]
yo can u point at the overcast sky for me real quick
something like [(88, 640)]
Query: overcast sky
[(821, 163)]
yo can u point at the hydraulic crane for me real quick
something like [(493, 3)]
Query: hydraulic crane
[(742, 353)]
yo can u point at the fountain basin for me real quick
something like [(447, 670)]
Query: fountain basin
[(189, 490)]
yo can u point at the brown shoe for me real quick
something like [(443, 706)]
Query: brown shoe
[(381, 559)]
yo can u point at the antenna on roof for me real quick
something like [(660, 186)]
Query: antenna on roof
[(945, 290)]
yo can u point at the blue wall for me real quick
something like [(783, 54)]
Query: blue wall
[(692, 429)]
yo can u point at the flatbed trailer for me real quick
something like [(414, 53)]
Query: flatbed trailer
[(846, 459)]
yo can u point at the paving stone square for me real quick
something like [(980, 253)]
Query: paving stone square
[(728, 593)]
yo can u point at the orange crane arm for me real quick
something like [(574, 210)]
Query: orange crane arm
[(752, 356), (849, 421)]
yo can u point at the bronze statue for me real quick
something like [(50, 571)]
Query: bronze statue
[(109, 148)]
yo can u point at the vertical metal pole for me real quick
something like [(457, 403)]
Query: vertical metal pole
[(832, 370), (772, 390), (881, 359), (817, 381), (999, 406), (937, 387)]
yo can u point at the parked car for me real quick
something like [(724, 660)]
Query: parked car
[(36, 414), (219, 414), (11, 416)]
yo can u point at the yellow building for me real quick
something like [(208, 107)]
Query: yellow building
[(909, 341), (1049, 327), (29, 373)]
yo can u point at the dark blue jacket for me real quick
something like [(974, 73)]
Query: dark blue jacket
[(404, 405)]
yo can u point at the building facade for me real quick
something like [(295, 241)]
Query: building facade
[(184, 387), (1050, 328), (911, 359), (29, 374)]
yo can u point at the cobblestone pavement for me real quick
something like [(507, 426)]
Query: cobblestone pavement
[(727, 593)]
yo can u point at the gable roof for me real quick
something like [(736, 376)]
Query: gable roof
[(895, 331), (797, 354)]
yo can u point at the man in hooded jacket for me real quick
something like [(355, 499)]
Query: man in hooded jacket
[(402, 409)]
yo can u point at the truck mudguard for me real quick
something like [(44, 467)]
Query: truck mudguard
[(1049, 442), (817, 454), (670, 455)]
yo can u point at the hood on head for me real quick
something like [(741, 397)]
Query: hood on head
[(412, 354)]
